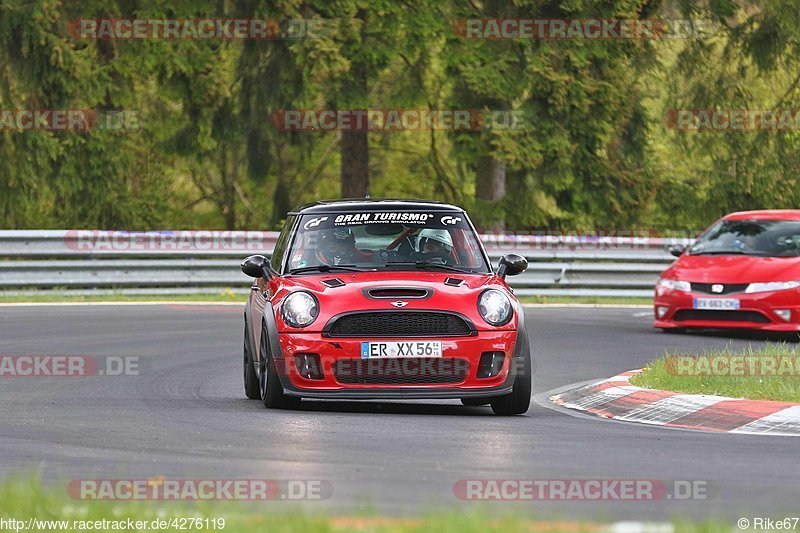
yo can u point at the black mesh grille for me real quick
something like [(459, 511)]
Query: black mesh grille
[(399, 324), (719, 315), (729, 288), (401, 371)]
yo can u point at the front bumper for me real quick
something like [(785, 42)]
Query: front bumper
[(756, 311), (460, 349)]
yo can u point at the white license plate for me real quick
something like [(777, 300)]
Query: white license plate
[(384, 350), (716, 303)]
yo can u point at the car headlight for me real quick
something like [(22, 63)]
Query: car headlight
[(772, 286), (495, 307), (300, 309), (674, 285)]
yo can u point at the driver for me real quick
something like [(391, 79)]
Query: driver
[(435, 243), (337, 246)]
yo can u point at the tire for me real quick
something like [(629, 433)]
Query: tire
[(250, 377), (475, 402), (518, 400), (270, 388)]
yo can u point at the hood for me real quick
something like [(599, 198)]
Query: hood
[(357, 281), (734, 269), (435, 291)]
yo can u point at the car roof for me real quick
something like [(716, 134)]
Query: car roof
[(373, 204), (766, 214)]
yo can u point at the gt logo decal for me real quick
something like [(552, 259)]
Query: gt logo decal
[(451, 220), (314, 222)]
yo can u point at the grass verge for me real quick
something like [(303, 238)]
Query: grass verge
[(25, 499), (596, 300), (771, 372)]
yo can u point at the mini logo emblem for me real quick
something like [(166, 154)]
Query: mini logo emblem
[(399, 303), (717, 288)]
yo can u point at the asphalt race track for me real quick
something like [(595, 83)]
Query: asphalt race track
[(185, 416)]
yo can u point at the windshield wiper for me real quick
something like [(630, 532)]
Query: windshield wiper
[(325, 268), (423, 264), (726, 252)]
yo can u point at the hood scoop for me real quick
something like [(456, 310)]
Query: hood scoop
[(453, 282), (392, 293), (333, 283)]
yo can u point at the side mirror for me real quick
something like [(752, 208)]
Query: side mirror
[(511, 265), (254, 266), (677, 251)]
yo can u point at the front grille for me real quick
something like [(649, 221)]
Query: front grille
[(721, 316), (727, 288), (399, 324), (401, 371)]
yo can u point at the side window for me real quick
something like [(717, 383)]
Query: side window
[(469, 251), (280, 246)]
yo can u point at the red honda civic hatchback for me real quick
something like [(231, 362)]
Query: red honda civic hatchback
[(743, 272), (384, 299)]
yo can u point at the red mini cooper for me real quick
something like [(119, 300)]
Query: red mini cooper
[(742, 273), (384, 299)]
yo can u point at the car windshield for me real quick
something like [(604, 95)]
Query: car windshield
[(386, 240), (770, 238)]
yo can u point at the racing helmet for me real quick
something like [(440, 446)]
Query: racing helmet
[(439, 237), (336, 246)]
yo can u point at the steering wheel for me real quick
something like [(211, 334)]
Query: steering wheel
[(435, 257), (387, 255)]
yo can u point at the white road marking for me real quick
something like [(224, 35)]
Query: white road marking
[(596, 399), (672, 408), (785, 422), (631, 526), (592, 306)]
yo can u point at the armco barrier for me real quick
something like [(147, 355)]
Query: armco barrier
[(170, 262)]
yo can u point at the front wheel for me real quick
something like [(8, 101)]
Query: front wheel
[(250, 377), (269, 384), (518, 400)]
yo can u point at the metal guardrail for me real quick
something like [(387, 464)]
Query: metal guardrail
[(175, 262)]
